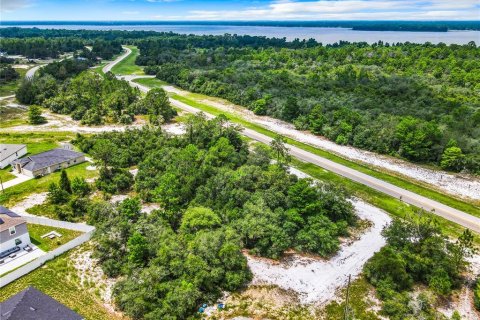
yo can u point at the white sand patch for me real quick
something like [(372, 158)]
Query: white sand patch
[(174, 128), (317, 280), (91, 168), (149, 207), (118, 198), (134, 172), (457, 184), (30, 201), (91, 274)]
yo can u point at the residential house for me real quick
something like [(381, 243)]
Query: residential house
[(32, 304), (10, 152), (13, 232), (47, 162)]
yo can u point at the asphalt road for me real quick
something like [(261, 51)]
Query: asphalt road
[(464, 219), (112, 64)]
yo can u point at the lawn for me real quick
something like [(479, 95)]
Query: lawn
[(36, 232), (17, 193), (5, 174), (470, 208), (59, 279), (150, 82), (127, 65)]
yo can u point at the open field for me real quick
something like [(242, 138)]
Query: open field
[(59, 279), (11, 116), (10, 87), (150, 82)]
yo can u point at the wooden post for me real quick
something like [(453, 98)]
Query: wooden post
[(346, 311)]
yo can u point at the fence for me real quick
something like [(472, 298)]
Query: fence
[(32, 265)]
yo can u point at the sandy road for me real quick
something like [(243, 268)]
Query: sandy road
[(464, 219)]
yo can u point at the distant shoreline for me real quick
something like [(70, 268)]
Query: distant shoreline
[(399, 26)]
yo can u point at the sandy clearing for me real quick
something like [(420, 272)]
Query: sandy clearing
[(463, 185), (28, 202), (316, 280)]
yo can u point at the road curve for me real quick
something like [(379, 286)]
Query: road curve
[(112, 64), (31, 72), (464, 219)]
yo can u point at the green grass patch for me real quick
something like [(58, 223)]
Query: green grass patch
[(36, 232), (5, 174), (17, 193), (59, 279), (470, 208), (150, 82), (127, 65)]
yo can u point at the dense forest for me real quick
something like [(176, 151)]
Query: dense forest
[(65, 87), (217, 196), (43, 47), (419, 102)]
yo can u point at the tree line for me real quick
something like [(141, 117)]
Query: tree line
[(418, 102)]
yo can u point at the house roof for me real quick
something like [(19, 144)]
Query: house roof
[(46, 159), (9, 219), (6, 150), (32, 304)]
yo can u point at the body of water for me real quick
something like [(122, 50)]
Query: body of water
[(324, 35)]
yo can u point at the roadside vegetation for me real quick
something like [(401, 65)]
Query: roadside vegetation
[(391, 99), (127, 65)]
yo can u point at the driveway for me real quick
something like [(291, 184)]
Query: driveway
[(20, 178)]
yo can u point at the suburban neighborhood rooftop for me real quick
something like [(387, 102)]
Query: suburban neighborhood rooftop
[(32, 304), (47, 158), (9, 219), (8, 149)]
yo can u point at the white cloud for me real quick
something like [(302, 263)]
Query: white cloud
[(12, 5), (349, 10)]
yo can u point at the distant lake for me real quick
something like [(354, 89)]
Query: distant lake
[(324, 35)]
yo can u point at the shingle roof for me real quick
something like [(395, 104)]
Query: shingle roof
[(6, 150), (32, 304), (9, 219), (47, 158)]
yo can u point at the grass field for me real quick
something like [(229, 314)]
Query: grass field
[(127, 65), (150, 82), (59, 279), (37, 141), (12, 116), (470, 208), (36, 232)]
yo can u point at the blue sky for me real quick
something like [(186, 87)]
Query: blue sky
[(239, 10)]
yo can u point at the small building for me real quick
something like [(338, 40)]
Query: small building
[(32, 304), (47, 162), (13, 232), (11, 152)]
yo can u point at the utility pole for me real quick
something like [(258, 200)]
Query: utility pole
[(1, 184), (346, 311)]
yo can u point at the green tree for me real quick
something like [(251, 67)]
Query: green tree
[(280, 150), (80, 187), (35, 115), (452, 159), (158, 106), (64, 183), (199, 218), (137, 248)]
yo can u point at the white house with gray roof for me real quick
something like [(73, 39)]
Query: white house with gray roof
[(13, 232), (47, 162), (11, 152)]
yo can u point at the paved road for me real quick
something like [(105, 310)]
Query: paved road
[(31, 72), (449, 213), (110, 65)]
